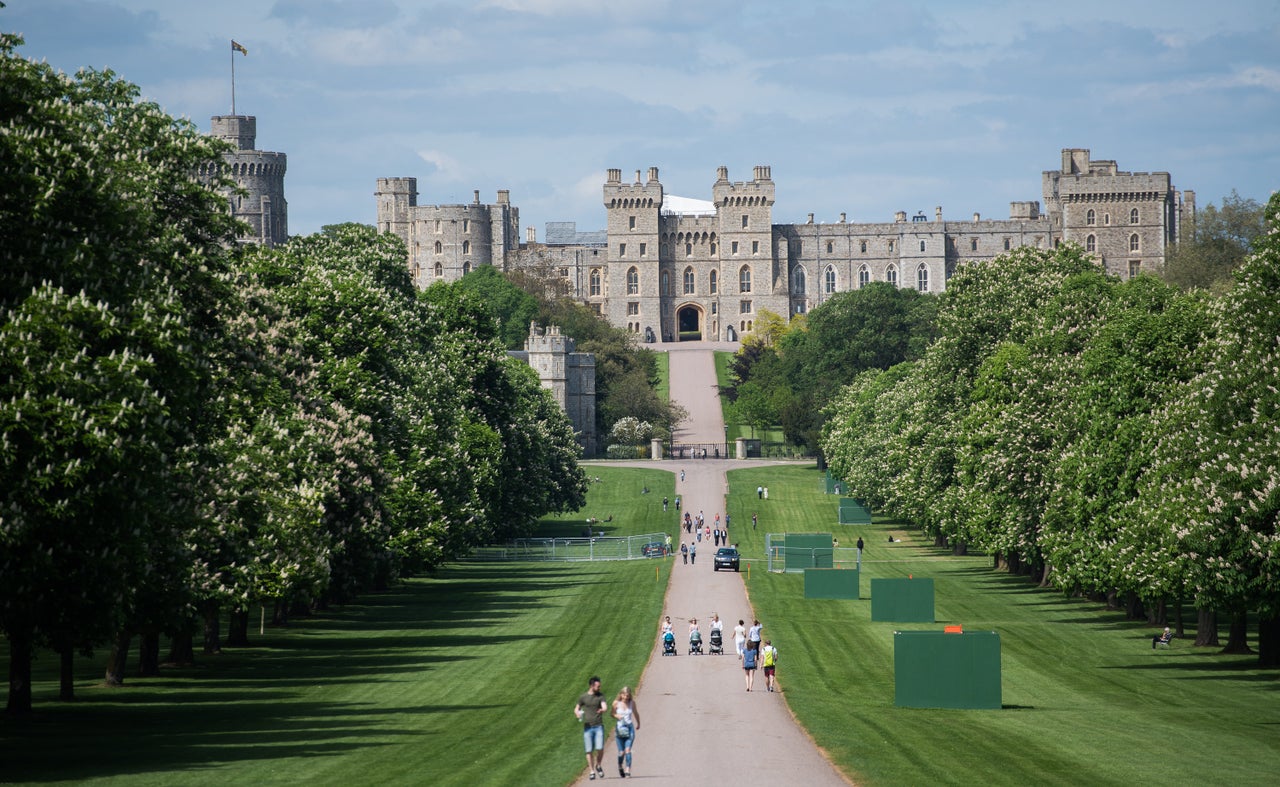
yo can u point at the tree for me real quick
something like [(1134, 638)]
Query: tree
[(511, 306), (1217, 242), (110, 283)]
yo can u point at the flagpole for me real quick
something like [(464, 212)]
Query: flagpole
[(233, 80)]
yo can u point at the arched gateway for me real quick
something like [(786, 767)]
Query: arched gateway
[(689, 323)]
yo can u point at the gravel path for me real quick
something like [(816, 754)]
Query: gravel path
[(699, 725)]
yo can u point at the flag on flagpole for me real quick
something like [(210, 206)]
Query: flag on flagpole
[(237, 48)]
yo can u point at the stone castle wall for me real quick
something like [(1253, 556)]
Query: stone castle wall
[(260, 174)]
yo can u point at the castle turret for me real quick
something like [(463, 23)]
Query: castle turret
[(636, 253), (260, 174), (396, 196)]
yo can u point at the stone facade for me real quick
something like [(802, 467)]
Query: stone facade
[(261, 174), (669, 272), (569, 375)]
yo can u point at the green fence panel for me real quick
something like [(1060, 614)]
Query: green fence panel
[(902, 600), (937, 670), (808, 550), (831, 583), (854, 512)]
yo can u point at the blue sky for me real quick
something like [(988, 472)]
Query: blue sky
[(859, 107)]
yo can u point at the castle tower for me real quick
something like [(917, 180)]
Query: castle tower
[(753, 271), (635, 254), (569, 375), (395, 198), (261, 174)]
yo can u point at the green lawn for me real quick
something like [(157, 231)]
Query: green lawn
[(663, 364), (1086, 700), (468, 677), (464, 678)]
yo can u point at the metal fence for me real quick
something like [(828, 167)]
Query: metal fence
[(649, 545), (783, 558)]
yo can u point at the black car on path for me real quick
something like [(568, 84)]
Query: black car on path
[(726, 557)]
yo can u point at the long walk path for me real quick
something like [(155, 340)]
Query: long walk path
[(699, 725)]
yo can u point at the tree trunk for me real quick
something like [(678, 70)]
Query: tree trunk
[(1158, 614), (212, 629), (939, 541), (238, 628), (1177, 614), (149, 655), (1206, 628), (19, 703), (1133, 606), (1269, 642), (1044, 578), (1238, 634), (66, 674), (181, 649), (118, 658), (1113, 600), (959, 549)]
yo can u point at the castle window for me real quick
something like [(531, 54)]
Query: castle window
[(1133, 216), (595, 307), (633, 307), (744, 221), (438, 227), (973, 244), (644, 248), (829, 247), (633, 281), (862, 247), (1091, 243), (744, 279), (1134, 243), (594, 280), (439, 247), (713, 283), (864, 277), (922, 279), (755, 247), (744, 307), (713, 250), (1134, 267), (799, 308), (891, 275), (622, 250), (688, 281), (666, 283), (829, 279), (633, 223), (733, 247), (713, 307), (688, 250), (1106, 219), (921, 245), (466, 268), (1007, 244), (439, 271), (1090, 218), (799, 248), (466, 247), (466, 225), (798, 282), (890, 245)]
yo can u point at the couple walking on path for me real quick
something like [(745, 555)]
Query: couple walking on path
[(751, 729), (591, 710)]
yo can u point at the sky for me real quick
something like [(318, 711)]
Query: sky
[(864, 108)]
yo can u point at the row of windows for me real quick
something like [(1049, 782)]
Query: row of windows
[(1091, 243), (830, 283), (633, 281), (439, 270), (466, 226), (1091, 217)]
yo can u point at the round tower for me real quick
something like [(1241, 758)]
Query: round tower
[(260, 174)]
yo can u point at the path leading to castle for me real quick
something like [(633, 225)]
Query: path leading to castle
[(699, 725)]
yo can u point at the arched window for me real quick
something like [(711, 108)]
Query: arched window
[(439, 270), (829, 279), (921, 245), (595, 281), (798, 282), (688, 281), (439, 247), (973, 244), (466, 268), (864, 277), (1134, 243), (862, 247), (714, 282), (666, 283), (688, 250), (1106, 219), (633, 281), (890, 245), (922, 279), (744, 279), (1007, 244), (466, 247), (1133, 216), (1090, 218), (829, 247), (891, 275), (1091, 243)]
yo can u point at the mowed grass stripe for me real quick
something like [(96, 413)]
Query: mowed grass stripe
[(1086, 699)]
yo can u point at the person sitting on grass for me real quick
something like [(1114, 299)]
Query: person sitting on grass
[(1162, 638)]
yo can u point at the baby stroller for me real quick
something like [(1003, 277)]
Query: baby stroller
[(695, 642), (668, 644), (717, 642)]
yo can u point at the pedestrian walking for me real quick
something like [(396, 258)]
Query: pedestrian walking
[(749, 660), (628, 716), (753, 637), (664, 504), (769, 660), (693, 554), (682, 475), (699, 536), (740, 638), (759, 492), (590, 710), (678, 503), (754, 520), (766, 493), (684, 552), (859, 544)]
